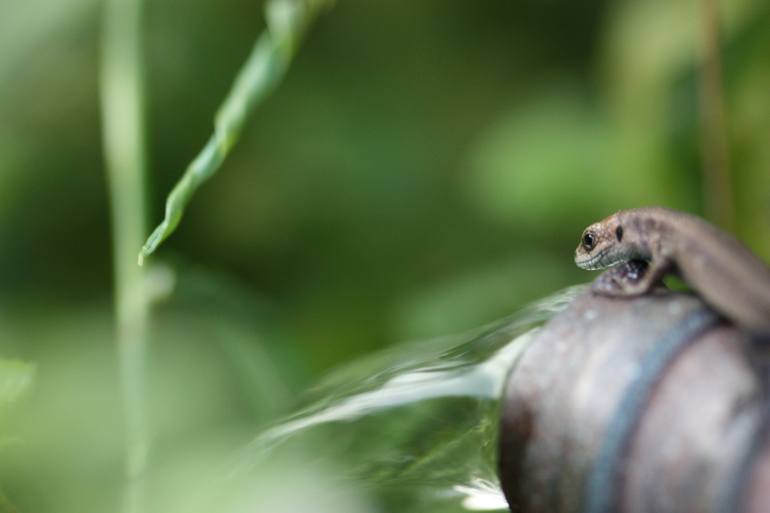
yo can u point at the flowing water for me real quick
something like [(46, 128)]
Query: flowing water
[(416, 427)]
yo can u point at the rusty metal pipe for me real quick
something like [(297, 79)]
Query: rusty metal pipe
[(637, 406)]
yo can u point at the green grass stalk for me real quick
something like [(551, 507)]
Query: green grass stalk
[(717, 181), (123, 133)]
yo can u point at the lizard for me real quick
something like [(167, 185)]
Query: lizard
[(642, 245)]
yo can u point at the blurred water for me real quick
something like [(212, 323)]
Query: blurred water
[(416, 426)]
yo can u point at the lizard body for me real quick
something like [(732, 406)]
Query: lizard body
[(643, 245)]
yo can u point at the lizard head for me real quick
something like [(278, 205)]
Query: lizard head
[(601, 245)]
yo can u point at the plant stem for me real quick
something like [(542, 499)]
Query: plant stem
[(714, 145), (123, 132)]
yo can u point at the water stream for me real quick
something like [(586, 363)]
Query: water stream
[(416, 426)]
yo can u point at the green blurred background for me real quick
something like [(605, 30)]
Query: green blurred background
[(425, 168)]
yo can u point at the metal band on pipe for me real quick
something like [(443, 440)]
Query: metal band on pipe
[(606, 478)]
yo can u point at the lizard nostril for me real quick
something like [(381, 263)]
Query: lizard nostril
[(588, 241)]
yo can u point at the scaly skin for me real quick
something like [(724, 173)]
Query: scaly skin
[(642, 245)]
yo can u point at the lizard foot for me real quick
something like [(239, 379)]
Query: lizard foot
[(626, 279)]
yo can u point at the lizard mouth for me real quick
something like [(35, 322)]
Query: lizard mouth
[(596, 262)]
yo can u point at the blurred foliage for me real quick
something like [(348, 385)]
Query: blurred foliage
[(425, 167), (15, 378)]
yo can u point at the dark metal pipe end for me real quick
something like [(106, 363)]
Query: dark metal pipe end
[(640, 405)]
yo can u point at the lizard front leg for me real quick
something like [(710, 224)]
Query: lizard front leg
[(631, 278)]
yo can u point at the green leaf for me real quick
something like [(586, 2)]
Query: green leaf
[(287, 21), (5, 505), (16, 377)]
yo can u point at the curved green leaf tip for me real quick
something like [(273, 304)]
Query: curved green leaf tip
[(265, 67)]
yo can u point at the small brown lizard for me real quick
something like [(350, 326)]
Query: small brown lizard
[(642, 245)]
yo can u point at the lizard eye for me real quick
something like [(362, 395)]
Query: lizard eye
[(589, 240), (619, 233)]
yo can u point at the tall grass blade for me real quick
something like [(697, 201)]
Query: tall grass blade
[(287, 21)]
